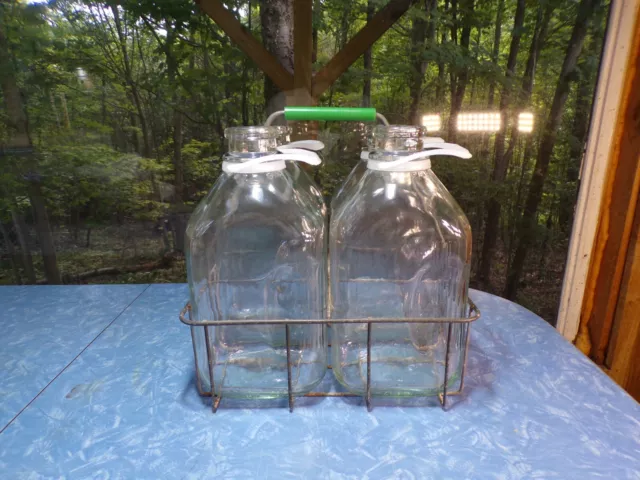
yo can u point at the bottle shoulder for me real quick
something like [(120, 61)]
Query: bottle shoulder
[(268, 199), (406, 198)]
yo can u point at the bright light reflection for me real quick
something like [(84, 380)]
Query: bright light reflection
[(452, 229), (256, 193), (525, 122), (432, 123), (390, 191), (479, 122)]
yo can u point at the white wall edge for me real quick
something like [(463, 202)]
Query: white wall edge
[(620, 33)]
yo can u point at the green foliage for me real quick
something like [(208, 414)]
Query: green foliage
[(106, 84)]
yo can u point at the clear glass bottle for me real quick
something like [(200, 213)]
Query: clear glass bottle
[(358, 171), (400, 247), (256, 250)]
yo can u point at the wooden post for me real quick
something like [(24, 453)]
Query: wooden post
[(620, 198), (607, 109), (302, 67), (302, 53), (622, 354)]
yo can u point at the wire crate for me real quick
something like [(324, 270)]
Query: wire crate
[(186, 318)]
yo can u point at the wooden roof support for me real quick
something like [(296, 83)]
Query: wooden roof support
[(304, 88), (366, 37), (247, 43)]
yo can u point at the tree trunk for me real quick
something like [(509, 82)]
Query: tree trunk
[(517, 203), (367, 60), (19, 137), (422, 35), (496, 49), (343, 32), (542, 271), (495, 58), (211, 94), (581, 120), (244, 103), (178, 165), (439, 91), (500, 166), (276, 17), (179, 220), (131, 84), (228, 67), (576, 150), (54, 109), (43, 231), (341, 40), (454, 21), (21, 232), (452, 70), (245, 78), (586, 9), (476, 56), (65, 110), (103, 100), (460, 85), (416, 58), (16, 118), (11, 251), (537, 42), (317, 15)]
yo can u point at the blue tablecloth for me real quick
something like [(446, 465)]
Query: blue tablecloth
[(126, 407), (42, 331)]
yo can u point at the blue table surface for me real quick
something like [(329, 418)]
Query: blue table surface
[(44, 328), (126, 407)]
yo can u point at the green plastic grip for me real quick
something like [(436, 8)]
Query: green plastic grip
[(339, 114)]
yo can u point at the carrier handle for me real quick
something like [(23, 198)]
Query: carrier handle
[(338, 114)]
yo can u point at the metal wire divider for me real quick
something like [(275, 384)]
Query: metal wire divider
[(474, 314)]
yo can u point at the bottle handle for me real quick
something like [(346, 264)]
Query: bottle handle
[(339, 114), (275, 161), (314, 145), (420, 160)]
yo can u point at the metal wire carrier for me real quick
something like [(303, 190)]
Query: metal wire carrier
[(474, 314)]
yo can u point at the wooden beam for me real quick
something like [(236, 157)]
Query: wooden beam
[(619, 203), (607, 108), (371, 32), (623, 353), (247, 43), (302, 52)]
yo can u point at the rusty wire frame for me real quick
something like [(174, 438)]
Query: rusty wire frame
[(474, 314)]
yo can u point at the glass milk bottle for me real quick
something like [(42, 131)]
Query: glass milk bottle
[(400, 247), (255, 250), (358, 171)]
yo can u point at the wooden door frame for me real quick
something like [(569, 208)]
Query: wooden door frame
[(599, 198)]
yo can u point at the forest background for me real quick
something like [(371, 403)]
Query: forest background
[(112, 119)]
